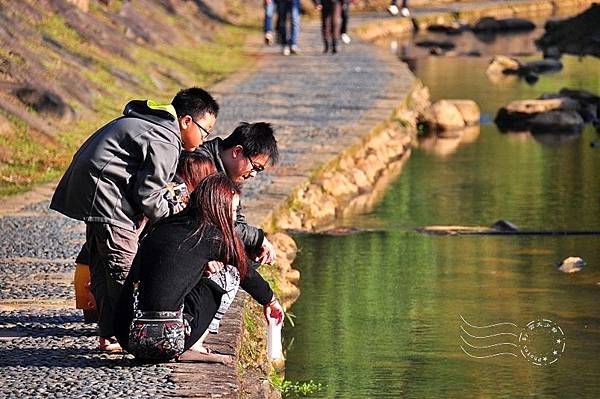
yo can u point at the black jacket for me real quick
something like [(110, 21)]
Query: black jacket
[(251, 236)]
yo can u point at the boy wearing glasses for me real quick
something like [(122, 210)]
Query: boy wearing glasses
[(119, 176), (242, 155)]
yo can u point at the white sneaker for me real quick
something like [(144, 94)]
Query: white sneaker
[(268, 38), (345, 38), (393, 10), (286, 50), (405, 12)]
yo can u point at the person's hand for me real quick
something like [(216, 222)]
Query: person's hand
[(319, 7), (273, 310), (267, 253), (213, 266)]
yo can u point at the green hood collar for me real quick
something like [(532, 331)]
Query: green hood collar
[(162, 107)]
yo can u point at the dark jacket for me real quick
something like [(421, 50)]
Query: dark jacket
[(251, 236), (120, 173), (169, 267)]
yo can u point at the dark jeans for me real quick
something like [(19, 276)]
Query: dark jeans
[(345, 16), (291, 9), (111, 251), (330, 21)]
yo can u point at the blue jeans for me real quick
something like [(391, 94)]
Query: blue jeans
[(292, 8), (269, 7)]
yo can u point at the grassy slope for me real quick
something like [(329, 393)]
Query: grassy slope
[(31, 158)]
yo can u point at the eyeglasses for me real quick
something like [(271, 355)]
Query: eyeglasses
[(206, 132), (255, 168)]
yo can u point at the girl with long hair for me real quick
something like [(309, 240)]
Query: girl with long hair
[(168, 303)]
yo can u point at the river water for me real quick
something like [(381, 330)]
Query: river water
[(380, 311)]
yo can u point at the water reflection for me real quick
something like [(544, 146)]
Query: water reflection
[(379, 310)]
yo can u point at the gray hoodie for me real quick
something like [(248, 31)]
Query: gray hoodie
[(119, 174)]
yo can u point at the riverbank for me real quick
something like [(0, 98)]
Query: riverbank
[(468, 13)]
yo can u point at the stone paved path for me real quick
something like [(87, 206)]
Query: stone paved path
[(319, 104)]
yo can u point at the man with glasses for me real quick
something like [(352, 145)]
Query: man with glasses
[(119, 177), (242, 155)]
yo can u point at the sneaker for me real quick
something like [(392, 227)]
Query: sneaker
[(393, 10), (345, 38), (405, 12), (294, 49), (286, 50), (268, 38)]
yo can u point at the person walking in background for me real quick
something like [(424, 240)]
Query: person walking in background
[(118, 178), (404, 11), (344, 24), (331, 11), (268, 26), (291, 9)]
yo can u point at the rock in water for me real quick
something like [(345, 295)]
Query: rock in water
[(572, 264), (504, 225)]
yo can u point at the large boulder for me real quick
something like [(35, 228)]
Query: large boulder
[(557, 121), (541, 66), (449, 28), (446, 116), (551, 115), (501, 64), (491, 24), (539, 106), (432, 44), (44, 101), (516, 24), (469, 111), (579, 35)]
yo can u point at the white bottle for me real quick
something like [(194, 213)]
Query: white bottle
[(274, 351)]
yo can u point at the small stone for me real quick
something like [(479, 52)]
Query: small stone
[(572, 264)]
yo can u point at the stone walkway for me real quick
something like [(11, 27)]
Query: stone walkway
[(319, 104)]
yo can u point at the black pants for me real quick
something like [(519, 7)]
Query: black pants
[(345, 16), (111, 251), (330, 21)]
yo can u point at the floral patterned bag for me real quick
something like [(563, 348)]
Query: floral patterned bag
[(156, 336)]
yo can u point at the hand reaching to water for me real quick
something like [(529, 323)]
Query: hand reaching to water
[(273, 310)]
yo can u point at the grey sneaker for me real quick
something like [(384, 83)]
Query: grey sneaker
[(294, 49)]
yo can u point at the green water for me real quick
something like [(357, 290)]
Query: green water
[(379, 314)]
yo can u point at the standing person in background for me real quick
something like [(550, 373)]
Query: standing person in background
[(289, 42), (404, 11), (331, 11), (118, 178), (345, 17), (268, 26)]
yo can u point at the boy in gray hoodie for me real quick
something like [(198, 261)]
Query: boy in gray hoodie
[(119, 176)]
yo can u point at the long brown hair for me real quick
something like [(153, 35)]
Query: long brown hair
[(211, 203), (193, 168)]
